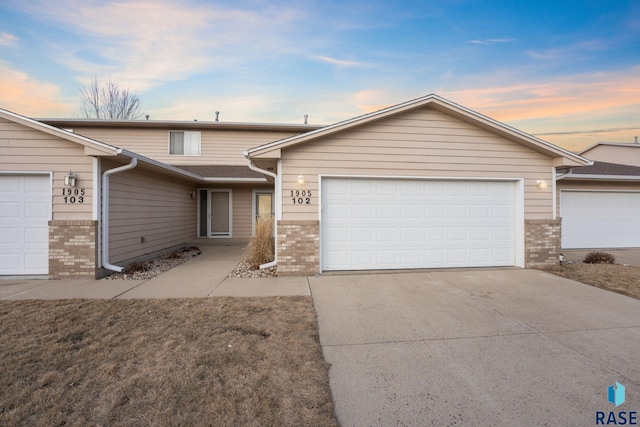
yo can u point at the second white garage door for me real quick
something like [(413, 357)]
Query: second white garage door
[(600, 219), (399, 223)]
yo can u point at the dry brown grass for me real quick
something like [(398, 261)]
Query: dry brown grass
[(261, 248), (217, 361), (613, 277)]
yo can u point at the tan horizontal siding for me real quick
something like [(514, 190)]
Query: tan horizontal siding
[(424, 143), (221, 147), (150, 205), (242, 212), (23, 149), (615, 154)]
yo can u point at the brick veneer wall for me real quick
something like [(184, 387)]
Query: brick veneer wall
[(542, 242), (298, 247), (72, 249)]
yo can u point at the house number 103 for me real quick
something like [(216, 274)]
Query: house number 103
[(301, 197), (73, 195)]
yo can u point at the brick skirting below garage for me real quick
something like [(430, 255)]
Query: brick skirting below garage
[(299, 245), (72, 249), (542, 242), (298, 248)]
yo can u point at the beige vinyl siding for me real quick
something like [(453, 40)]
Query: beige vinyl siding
[(420, 143), (219, 147), (565, 184), (23, 149), (615, 154), (152, 206), (242, 212)]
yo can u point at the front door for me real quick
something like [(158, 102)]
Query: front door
[(220, 213)]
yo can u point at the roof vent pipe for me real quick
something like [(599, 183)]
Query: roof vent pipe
[(217, 115), (636, 138), (146, 116), (306, 117)]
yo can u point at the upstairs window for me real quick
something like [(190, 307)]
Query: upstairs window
[(183, 143)]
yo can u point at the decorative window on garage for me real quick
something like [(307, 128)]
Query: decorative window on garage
[(184, 143)]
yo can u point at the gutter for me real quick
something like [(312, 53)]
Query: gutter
[(105, 213), (599, 177), (277, 194)]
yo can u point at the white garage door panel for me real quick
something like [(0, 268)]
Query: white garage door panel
[(24, 231), (395, 224), (596, 219)]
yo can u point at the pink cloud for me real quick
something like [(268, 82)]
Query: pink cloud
[(24, 95)]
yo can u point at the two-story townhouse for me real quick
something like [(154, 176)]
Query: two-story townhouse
[(423, 184), (80, 197)]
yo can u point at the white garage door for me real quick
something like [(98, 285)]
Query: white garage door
[(599, 219), (395, 224), (25, 202)]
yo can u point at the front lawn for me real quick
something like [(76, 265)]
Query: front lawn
[(189, 362), (612, 277)]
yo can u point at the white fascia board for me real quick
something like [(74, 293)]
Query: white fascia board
[(600, 177), (238, 180)]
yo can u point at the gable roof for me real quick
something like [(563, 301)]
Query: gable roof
[(60, 133), (604, 171), (609, 144), (435, 102)]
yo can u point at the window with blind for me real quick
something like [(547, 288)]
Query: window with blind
[(184, 143)]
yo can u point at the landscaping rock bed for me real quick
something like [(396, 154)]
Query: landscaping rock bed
[(244, 269), (155, 266)]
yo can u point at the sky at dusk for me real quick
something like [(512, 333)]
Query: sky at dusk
[(565, 71)]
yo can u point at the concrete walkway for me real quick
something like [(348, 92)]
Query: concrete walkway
[(203, 276)]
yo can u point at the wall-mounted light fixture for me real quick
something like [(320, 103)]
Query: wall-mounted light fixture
[(541, 183), (193, 194), (70, 180), (300, 179)]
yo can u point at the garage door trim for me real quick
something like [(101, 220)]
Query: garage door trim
[(518, 209)]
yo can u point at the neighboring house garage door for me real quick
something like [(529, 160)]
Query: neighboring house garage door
[(600, 219), (25, 202), (402, 223)]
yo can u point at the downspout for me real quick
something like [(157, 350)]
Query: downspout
[(105, 213), (277, 193)]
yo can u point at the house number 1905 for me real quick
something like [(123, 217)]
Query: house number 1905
[(301, 197), (73, 195)]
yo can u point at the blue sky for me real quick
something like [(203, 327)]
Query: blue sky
[(566, 71)]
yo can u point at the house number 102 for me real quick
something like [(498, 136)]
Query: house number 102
[(301, 197)]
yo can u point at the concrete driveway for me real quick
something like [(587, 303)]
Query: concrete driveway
[(483, 347)]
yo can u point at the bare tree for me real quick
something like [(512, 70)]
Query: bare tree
[(108, 101)]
